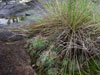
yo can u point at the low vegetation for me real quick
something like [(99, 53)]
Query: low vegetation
[(75, 51)]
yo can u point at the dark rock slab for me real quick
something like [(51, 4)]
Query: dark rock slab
[(14, 59), (16, 38), (1, 54), (4, 35), (10, 36)]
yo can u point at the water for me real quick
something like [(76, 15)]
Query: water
[(3, 21), (34, 14)]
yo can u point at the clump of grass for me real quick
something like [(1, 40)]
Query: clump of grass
[(47, 58), (46, 62), (39, 43), (80, 23), (78, 53), (52, 71), (71, 13)]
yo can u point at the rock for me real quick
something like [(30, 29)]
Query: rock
[(31, 11), (10, 36), (1, 54), (2, 4), (11, 9), (14, 59), (16, 38), (4, 35)]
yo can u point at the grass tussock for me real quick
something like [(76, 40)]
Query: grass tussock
[(78, 52)]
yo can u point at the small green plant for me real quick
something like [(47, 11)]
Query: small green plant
[(35, 46), (39, 43), (47, 59), (52, 71)]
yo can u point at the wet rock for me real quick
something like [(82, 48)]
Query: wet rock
[(11, 9), (2, 4), (31, 11)]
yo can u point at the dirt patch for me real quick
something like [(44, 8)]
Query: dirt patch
[(14, 60)]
